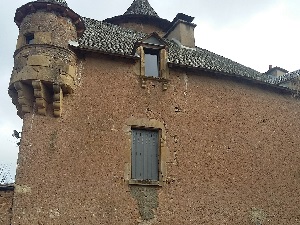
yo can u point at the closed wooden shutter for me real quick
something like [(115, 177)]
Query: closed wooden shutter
[(145, 155)]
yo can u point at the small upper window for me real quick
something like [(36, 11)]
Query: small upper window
[(151, 62), (29, 38)]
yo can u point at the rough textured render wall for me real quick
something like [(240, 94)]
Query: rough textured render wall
[(6, 199), (234, 153)]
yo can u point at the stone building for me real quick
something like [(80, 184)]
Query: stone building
[(126, 121), (6, 197)]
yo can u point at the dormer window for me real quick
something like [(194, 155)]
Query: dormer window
[(29, 38), (153, 59), (152, 62)]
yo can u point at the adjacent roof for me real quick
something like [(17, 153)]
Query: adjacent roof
[(276, 68), (141, 7), (285, 78), (60, 2)]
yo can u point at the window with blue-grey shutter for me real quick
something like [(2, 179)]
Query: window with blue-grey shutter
[(145, 155)]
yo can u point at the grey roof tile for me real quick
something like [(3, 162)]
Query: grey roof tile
[(59, 2), (141, 7), (204, 59), (109, 38), (113, 39), (284, 78)]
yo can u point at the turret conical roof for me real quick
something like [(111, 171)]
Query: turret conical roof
[(139, 12), (141, 7), (59, 2)]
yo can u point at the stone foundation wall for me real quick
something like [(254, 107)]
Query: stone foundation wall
[(234, 152)]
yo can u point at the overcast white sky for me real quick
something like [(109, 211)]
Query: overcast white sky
[(256, 33)]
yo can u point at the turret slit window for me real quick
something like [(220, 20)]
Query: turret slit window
[(29, 38), (145, 155), (152, 62)]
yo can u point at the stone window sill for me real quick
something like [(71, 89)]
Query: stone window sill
[(145, 182)]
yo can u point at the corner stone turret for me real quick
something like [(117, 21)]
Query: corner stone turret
[(45, 68)]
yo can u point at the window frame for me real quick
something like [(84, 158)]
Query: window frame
[(152, 42), (156, 52), (147, 182), (165, 155)]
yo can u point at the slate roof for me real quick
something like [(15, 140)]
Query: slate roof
[(285, 78), (59, 2), (141, 7), (203, 59), (140, 11), (276, 68), (113, 39), (108, 38)]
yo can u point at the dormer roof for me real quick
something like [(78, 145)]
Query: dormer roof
[(153, 39)]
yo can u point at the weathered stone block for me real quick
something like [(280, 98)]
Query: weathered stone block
[(38, 60), (20, 41), (42, 96), (22, 189), (57, 100), (43, 37), (25, 96), (71, 70)]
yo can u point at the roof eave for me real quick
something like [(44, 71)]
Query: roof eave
[(95, 50), (7, 187), (245, 78), (161, 23)]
